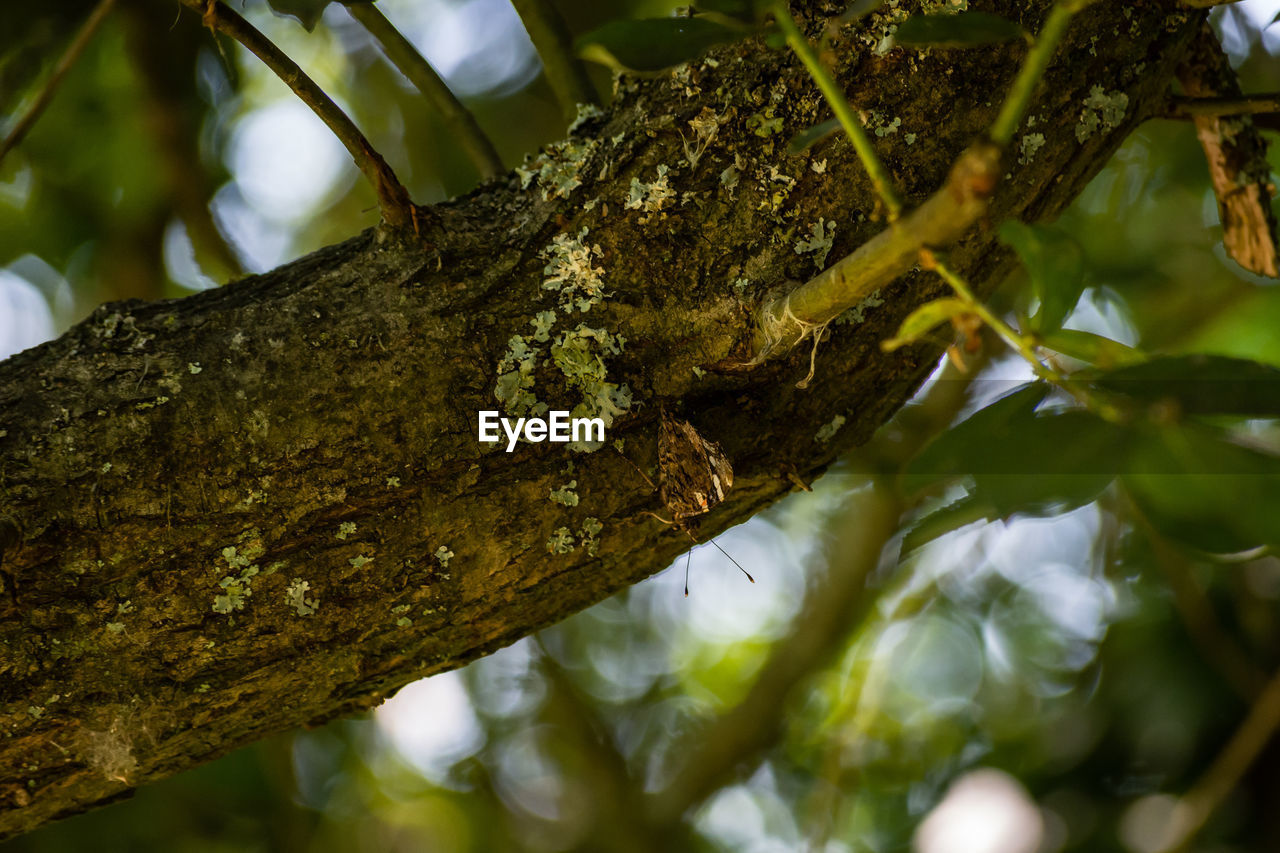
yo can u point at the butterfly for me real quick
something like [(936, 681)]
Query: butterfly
[(693, 476)]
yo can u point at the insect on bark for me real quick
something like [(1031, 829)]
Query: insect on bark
[(693, 477)]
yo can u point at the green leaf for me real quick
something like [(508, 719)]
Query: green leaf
[(1054, 263), (1019, 461), (965, 29), (924, 319), (1092, 349), (1198, 385), (1198, 487), (945, 519), (652, 44), (950, 454), (806, 138)]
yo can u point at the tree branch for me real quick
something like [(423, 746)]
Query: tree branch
[(1237, 156), (1243, 105), (398, 210), (414, 66), (157, 453), (50, 88), (565, 72)]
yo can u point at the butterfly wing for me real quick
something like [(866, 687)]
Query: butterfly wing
[(693, 473)]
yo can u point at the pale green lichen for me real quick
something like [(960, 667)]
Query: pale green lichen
[(565, 495), (883, 126), (360, 560), (542, 323), (558, 168), (764, 124), (400, 610), (1028, 146), (829, 430), (115, 627), (571, 270), (516, 378), (1102, 111), (560, 542), (345, 529), (443, 555), (858, 313), (591, 528), (296, 597), (586, 112), (580, 356), (651, 197), (393, 482), (822, 236), (194, 367), (236, 588)]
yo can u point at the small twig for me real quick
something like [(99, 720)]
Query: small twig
[(1018, 100), (68, 59), (941, 220), (397, 208), (880, 177), (566, 74), (1181, 107), (1195, 808), (1206, 4), (1007, 333), (414, 65)]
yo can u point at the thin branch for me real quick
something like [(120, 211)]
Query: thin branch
[(565, 72), (1182, 107), (1018, 100), (880, 177), (414, 65), (1195, 809), (941, 220), (398, 209), (68, 59), (1206, 4)]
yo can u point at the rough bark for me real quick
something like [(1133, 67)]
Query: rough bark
[(271, 415)]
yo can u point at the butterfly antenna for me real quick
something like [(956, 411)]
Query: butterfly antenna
[(688, 555), (735, 562)]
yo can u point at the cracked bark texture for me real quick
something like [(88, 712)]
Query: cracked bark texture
[(270, 415)]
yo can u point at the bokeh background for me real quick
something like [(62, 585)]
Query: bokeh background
[(1012, 687)]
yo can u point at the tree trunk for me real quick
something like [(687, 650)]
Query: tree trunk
[(319, 422)]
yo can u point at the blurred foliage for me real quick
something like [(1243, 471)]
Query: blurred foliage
[(1085, 604)]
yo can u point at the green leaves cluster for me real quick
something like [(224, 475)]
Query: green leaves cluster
[(1176, 432)]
